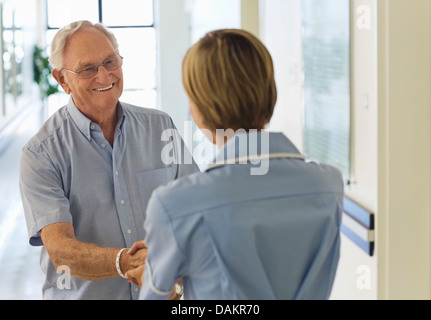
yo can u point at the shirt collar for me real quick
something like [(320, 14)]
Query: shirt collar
[(252, 144), (120, 116), (84, 124)]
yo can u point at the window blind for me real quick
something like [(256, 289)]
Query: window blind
[(326, 59)]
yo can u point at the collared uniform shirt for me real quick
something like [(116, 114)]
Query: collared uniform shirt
[(69, 173), (231, 234)]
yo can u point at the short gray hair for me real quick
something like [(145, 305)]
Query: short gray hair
[(63, 35)]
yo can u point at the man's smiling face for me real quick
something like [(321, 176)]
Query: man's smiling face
[(100, 93)]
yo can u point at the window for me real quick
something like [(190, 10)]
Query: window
[(13, 57), (208, 15), (132, 22), (326, 56), (17, 87), (205, 16)]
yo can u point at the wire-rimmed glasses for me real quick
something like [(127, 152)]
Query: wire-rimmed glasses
[(90, 71)]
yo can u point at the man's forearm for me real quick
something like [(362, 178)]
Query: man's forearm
[(86, 261)]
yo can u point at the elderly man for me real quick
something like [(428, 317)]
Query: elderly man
[(87, 175)]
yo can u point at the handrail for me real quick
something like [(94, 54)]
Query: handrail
[(358, 225)]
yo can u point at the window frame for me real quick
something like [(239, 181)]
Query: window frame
[(100, 19)]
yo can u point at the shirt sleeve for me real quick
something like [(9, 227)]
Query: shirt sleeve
[(165, 258), (43, 197)]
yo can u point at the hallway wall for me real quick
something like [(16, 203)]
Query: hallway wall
[(404, 152)]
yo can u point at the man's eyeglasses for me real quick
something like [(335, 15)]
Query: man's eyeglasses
[(91, 71)]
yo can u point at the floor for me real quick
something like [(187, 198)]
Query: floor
[(20, 274)]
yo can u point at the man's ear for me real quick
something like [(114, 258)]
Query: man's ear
[(59, 77)]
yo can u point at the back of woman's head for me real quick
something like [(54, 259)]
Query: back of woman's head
[(229, 76)]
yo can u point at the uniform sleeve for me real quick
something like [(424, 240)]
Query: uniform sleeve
[(43, 197), (165, 259)]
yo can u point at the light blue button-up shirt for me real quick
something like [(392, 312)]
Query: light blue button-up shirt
[(230, 233), (69, 173)]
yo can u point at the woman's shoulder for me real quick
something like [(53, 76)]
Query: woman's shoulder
[(186, 194)]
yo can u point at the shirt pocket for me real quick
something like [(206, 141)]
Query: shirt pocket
[(150, 180)]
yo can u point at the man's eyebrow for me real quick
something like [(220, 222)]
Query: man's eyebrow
[(83, 65)]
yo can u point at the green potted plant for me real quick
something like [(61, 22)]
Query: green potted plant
[(42, 73)]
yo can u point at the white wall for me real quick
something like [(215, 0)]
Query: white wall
[(179, 24), (280, 30), (404, 152), (357, 272), (172, 27)]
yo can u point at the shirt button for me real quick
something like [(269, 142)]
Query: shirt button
[(129, 231), (116, 173), (122, 202), (92, 127), (103, 145), (136, 289)]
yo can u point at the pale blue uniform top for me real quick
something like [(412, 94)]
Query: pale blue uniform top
[(231, 234), (69, 173)]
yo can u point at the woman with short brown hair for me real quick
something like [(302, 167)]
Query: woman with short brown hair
[(233, 231)]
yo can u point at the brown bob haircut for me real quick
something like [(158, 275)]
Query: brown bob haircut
[(229, 75)]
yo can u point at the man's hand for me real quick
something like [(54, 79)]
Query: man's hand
[(136, 274), (136, 246), (134, 259)]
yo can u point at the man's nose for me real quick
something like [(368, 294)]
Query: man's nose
[(103, 74)]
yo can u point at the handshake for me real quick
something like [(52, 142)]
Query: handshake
[(133, 260)]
